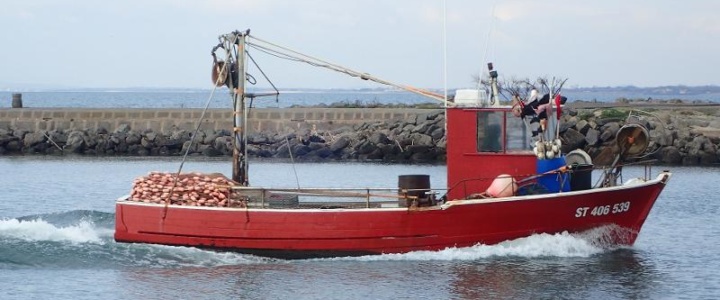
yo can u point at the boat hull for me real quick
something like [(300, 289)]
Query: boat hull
[(306, 233)]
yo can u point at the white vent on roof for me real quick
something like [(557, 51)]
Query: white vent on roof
[(470, 98)]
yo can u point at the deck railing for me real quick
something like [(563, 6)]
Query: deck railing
[(331, 198)]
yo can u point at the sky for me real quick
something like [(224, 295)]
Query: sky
[(167, 43)]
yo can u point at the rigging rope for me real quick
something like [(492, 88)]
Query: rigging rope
[(277, 99), (292, 160), (192, 139), (313, 61)]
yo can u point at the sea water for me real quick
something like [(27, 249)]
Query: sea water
[(57, 223), (198, 98)]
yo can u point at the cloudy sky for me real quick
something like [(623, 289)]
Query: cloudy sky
[(166, 43)]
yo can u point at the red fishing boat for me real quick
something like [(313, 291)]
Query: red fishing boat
[(499, 188)]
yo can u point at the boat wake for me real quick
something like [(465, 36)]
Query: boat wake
[(564, 244), (84, 239)]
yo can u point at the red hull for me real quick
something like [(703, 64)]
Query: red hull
[(299, 233)]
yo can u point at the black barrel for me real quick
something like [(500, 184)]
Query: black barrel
[(17, 100), (413, 186), (581, 177)]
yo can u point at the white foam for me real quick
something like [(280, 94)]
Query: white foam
[(189, 256), (85, 232), (539, 245), (40, 230)]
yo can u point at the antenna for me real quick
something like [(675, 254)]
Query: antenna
[(489, 37), (445, 88)]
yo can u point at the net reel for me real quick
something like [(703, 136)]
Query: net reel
[(632, 140)]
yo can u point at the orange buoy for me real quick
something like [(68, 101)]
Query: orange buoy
[(503, 185)]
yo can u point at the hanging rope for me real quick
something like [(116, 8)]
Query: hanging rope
[(192, 138)]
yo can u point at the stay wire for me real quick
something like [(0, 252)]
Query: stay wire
[(197, 129), (192, 139), (309, 62), (292, 162), (277, 98), (299, 57)]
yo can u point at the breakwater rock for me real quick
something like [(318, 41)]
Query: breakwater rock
[(687, 136), (420, 138)]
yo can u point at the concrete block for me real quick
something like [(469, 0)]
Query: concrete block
[(26, 125), (227, 125), (107, 125), (17, 113), (44, 114), (155, 125), (60, 125), (312, 115), (87, 124), (206, 125), (225, 115), (269, 125), (185, 125), (259, 115), (298, 116), (74, 114)]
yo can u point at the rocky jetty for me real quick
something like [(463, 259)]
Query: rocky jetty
[(419, 139), (687, 136)]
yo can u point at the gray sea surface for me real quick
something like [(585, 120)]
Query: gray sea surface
[(221, 99), (57, 220)]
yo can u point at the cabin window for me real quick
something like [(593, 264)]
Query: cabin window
[(492, 138), (489, 131), (516, 134)]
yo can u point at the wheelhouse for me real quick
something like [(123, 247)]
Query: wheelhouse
[(484, 142)]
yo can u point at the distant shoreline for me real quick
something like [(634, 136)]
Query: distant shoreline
[(669, 90)]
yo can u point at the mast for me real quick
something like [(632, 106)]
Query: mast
[(235, 45), (240, 166)]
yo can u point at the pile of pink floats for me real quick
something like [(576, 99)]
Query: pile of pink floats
[(189, 189)]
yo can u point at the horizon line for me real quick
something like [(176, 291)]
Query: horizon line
[(385, 89)]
